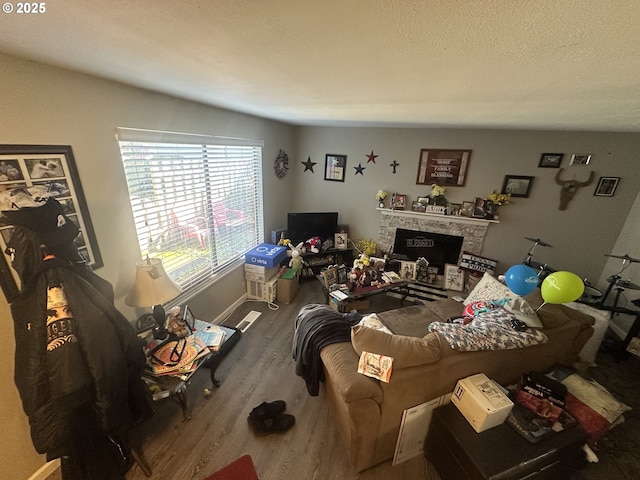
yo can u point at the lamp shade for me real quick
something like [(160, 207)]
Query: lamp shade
[(152, 285)]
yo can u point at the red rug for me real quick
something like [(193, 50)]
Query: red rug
[(240, 469)]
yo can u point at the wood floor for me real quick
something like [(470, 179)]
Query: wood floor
[(260, 368)]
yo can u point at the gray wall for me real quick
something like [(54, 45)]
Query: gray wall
[(44, 105), (581, 235)]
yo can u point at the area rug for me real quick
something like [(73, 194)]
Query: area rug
[(240, 469)]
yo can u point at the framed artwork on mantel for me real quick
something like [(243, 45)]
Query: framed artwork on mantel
[(447, 168)]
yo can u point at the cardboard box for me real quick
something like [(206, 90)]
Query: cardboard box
[(262, 290), (266, 255), (481, 402), (287, 287), (258, 273)]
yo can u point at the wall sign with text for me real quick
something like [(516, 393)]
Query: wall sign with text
[(444, 167)]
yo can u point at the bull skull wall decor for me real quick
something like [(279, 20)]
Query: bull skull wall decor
[(569, 188)]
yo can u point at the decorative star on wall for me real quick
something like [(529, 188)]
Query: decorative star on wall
[(359, 169), (394, 165), (308, 165), (372, 157)]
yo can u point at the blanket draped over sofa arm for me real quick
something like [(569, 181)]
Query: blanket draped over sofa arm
[(317, 326)]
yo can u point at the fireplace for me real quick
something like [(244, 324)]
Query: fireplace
[(471, 230), (437, 248)]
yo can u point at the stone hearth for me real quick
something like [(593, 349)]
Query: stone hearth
[(473, 230)]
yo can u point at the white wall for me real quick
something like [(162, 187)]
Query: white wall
[(581, 235), (44, 105)]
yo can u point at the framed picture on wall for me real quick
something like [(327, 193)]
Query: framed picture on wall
[(606, 186), (335, 167), (447, 168), (37, 172), (551, 160), (517, 185)]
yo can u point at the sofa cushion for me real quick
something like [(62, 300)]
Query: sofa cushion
[(414, 321), (406, 351)]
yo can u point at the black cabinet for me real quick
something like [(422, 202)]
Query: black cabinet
[(459, 453), (315, 262)]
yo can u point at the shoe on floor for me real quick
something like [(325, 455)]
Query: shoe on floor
[(281, 422), (267, 410)]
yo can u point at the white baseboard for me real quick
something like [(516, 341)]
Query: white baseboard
[(46, 470)]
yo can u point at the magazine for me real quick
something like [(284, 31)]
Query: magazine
[(376, 366), (535, 428)]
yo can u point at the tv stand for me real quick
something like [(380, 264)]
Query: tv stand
[(315, 262)]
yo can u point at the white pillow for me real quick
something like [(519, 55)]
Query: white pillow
[(489, 288)]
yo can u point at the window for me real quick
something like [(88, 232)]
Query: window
[(196, 200)]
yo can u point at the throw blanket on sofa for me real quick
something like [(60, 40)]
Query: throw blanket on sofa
[(490, 331), (316, 327)]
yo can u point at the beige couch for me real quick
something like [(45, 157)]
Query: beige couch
[(369, 412)]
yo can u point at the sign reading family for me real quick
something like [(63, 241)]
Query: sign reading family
[(444, 167)]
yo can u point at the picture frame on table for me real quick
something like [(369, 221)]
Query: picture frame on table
[(454, 209), (52, 169), (189, 318), (398, 201), (330, 276), (606, 186), (335, 166), (517, 185), (467, 209), (340, 241), (418, 207), (479, 208), (407, 270), (550, 160), (453, 277)]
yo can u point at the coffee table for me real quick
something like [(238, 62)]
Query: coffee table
[(352, 297)]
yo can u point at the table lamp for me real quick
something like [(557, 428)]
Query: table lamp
[(152, 288)]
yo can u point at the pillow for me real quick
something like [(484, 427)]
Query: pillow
[(594, 408), (406, 351), (489, 288), (478, 308)]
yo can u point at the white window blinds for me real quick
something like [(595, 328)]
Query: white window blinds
[(196, 200)]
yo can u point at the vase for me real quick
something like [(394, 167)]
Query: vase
[(381, 204)]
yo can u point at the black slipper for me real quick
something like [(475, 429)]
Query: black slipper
[(278, 424), (266, 410)]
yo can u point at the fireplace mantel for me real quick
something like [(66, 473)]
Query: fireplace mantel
[(436, 216), (473, 230)]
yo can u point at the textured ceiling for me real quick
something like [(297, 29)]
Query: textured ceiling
[(531, 64)]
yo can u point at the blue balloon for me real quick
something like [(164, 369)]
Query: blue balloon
[(521, 279)]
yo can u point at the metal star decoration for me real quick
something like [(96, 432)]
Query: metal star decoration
[(359, 169), (372, 157), (308, 165)]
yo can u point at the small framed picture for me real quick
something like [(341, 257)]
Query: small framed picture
[(398, 201), (467, 209), (340, 241), (432, 275), (335, 167), (407, 270), (517, 185), (188, 318), (342, 274), (606, 186), (418, 207), (330, 276), (453, 277), (551, 160), (455, 209), (580, 159), (479, 208)]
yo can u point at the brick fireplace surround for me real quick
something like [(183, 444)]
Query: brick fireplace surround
[(473, 230)]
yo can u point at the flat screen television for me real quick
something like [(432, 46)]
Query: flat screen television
[(437, 248), (303, 226)]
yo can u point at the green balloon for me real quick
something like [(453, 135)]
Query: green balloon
[(561, 287)]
